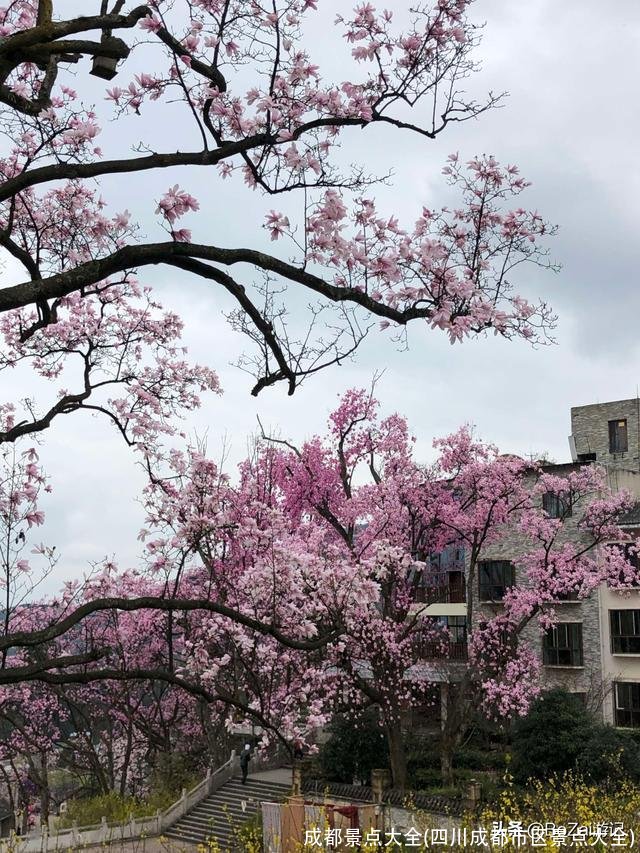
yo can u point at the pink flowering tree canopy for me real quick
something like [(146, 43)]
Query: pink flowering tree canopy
[(272, 592), (265, 116)]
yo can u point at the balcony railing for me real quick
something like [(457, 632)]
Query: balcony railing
[(447, 588), (454, 650)]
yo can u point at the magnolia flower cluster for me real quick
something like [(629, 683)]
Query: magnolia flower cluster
[(122, 351), (453, 263)]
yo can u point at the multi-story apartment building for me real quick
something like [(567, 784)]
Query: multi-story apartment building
[(594, 650), (609, 434), (570, 653)]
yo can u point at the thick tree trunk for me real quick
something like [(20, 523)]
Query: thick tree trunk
[(45, 793), (456, 708), (397, 756), (124, 778), (446, 765)]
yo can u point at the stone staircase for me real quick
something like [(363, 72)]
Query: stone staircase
[(220, 815)]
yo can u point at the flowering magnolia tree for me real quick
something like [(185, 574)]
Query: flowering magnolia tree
[(390, 653), (326, 549), (274, 594), (263, 114), (114, 716), (294, 590)]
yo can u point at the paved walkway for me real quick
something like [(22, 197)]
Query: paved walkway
[(282, 775)]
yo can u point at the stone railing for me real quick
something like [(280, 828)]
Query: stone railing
[(49, 839), (318, 789)]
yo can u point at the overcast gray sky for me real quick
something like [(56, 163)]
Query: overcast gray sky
[(572, 125)]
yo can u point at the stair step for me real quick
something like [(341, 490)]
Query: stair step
[(207, 823), (187, 836), (198, 838), (225, 808), (220, 815), (203, 834), (237, 796), (204, 831), (255, 786), (231, 798), (250, 791)]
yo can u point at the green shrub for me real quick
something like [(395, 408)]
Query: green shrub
[(353, 750), (609, 754), (169, 776), (425, 778), (550, 738), (91, 810), (172, 771), (559, 735), (470, 758)]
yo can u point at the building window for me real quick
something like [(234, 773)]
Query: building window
[(556, 506), (494, 579), (449, 559), (618, 440), (562, 645), (626, 701), (625, 632), (457, 627)]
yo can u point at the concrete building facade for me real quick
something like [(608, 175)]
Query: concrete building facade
[(594, 650), (607, 433), (610, 432), (571, 653)]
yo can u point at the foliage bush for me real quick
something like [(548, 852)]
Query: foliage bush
[(173, 771), (479, 756), (170, 775), (90, 810), (567, 799), (560, 735), (609, 754), (473, 758), (424, 778), (353, 750)]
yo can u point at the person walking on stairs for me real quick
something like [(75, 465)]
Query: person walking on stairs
[(245, 755)]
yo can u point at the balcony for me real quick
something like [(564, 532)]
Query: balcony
[(442, 588), (434, 651)]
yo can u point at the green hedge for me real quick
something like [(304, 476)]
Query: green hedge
[(90, 810)]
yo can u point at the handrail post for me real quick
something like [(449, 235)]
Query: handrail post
[(232, 760)]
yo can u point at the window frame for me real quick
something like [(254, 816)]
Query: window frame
[(615, 427), (564, 652), (622, 642), (487, 589), (562, 505), (630, 711), (457, 630)]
